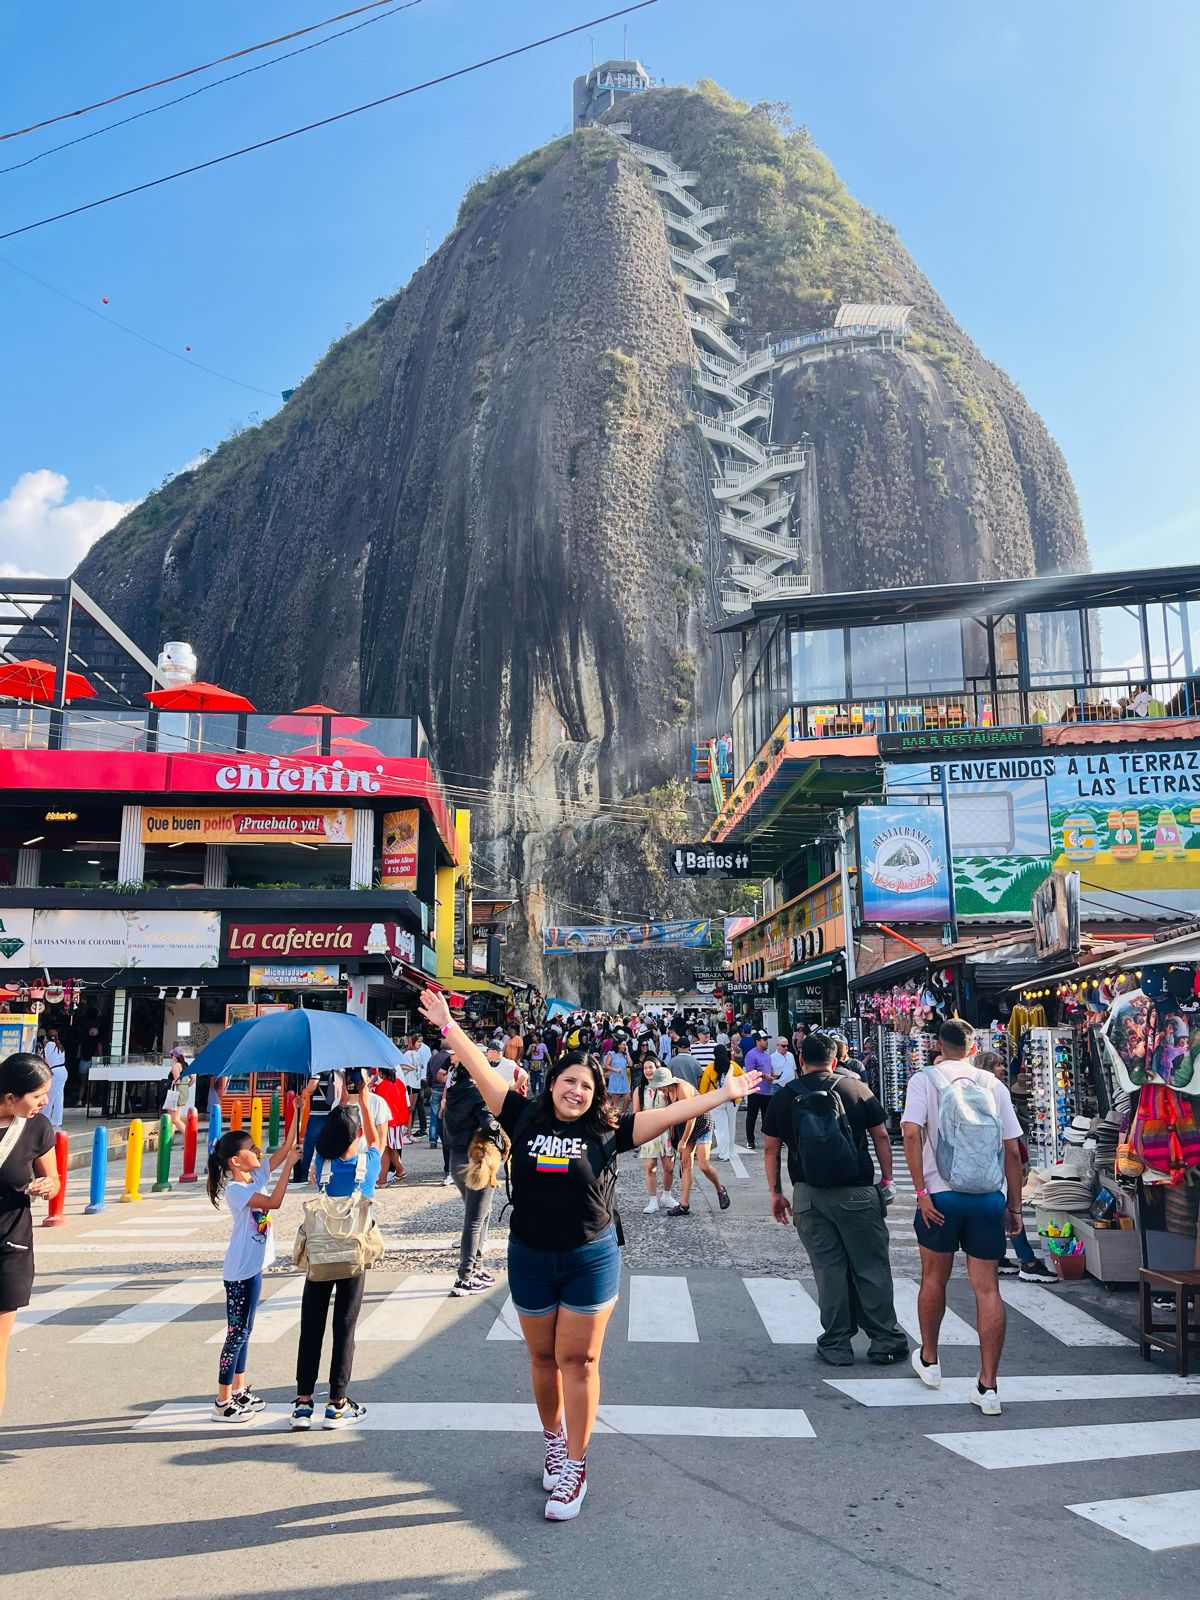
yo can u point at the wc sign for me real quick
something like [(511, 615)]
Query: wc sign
[(711, 861)]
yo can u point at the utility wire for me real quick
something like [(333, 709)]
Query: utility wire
[(176, 77), (325, 122), (231, 77)]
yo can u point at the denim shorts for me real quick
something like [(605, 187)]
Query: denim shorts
[(585, 1279), (974, 1224)]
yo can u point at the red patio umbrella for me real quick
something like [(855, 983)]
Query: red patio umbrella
[(35, 681), (198, 697), (341, 747), (306, 721)]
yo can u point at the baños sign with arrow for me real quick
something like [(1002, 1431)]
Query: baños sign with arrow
[(711, 861)]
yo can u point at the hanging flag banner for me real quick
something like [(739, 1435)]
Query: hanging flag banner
[(625, 936), (905, 863), (401, 831)]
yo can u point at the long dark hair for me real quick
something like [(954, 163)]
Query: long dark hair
[(228, 1145), (599, 1118), (22, 1074), (341, 1130)]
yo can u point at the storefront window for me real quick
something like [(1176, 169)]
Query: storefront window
[(818, 665), (281, 866), (934, 655), (877, 661), (181, 868), (1055, 642)]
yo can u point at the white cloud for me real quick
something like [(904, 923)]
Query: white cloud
[(45, 534)]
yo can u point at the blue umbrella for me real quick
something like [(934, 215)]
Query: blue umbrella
[(302, 1043)]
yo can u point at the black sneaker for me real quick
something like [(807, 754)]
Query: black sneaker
[(302, 1413), (680, 1211), (484, 1278), (723, 1199), (1009, 1267), (252, 1402), (1036, 1272), (463, 1286), (344, 1414), (230, 1412)]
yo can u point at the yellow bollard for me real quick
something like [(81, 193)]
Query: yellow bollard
[(256, 1121), (235, 1117), (133, 1161)]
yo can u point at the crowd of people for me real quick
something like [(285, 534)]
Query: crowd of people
[(550, 1110)]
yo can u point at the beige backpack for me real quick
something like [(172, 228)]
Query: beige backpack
[(338, 1236)]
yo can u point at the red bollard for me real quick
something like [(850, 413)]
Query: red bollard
[(289, 1109), (191, 1130), (56, 1218)]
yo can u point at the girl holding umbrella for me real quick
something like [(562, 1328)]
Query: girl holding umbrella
[(563, 1262)]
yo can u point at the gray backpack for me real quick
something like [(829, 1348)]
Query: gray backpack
[(970, 1144)]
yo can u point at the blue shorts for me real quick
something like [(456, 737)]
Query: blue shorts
[(974, 1224), (585, 1279)]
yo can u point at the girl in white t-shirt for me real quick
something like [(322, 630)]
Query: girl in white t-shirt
[(237, 1170)]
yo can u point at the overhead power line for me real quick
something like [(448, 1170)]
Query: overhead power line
[(176, 77), (325, 122), (230, 77)]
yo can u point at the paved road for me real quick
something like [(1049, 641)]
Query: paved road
[(731, 1461)]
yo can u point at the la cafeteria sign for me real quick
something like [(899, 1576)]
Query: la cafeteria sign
[(253, 940), (244, 777)]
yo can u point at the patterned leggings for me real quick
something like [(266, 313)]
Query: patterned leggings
[(241, 1299)]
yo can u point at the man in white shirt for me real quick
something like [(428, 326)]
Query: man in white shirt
[(948, 1219), (55, 1058), (784, 1063)]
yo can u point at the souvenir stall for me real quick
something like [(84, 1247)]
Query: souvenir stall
[(1111, 1061), (902, 1021)]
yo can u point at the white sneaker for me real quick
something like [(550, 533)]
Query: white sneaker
[(988, 1402), (931, 1377), (447, 1182), (669, 1202), (651, 1206)]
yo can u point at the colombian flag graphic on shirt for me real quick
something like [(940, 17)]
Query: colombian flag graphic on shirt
[(547, 1163)]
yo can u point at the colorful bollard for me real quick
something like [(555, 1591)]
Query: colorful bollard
[(191, 1132), (273, 1134), (162, 1175), (214, 1127), (56, 1218), (96, 1200), (133, 1162), (256, 1122), (235, 1117)]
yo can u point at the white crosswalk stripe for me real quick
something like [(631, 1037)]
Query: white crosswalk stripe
[(660, 1311), (1013, 1391), (1155, 1521), (506, 1325), (717, 1422), (789, 1313), (140, 1321), (275, 1316), (51, 1302), (954, 1329), (1057, 1316), (1048, 1447), (408, 1310)]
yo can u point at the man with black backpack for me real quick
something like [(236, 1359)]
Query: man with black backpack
[(825, 1119)]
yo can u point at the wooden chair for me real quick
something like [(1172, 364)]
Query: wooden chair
[(1181, 1335)]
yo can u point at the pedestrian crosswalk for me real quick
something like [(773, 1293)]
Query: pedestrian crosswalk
[(655, 1309), (1154, 1521)]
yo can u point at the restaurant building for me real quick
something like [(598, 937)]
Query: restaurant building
[(955, 749), (165, 872)]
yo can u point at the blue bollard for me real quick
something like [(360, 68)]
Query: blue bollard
[(99, 1172), (214, 1127)]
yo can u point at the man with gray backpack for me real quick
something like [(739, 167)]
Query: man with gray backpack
[(962, 1142)]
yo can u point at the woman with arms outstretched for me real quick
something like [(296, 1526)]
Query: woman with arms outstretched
[(564, 1267)]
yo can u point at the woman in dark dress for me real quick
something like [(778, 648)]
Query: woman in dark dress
[(27, 1173)]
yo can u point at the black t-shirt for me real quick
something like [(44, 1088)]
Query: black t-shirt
[(36, 1139), (563, 1177), (461, 1109), (863, 1112)]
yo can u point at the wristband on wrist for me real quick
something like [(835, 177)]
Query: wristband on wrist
[(446, 1029), (922, 1194)]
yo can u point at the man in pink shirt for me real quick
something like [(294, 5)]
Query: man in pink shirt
[(962, 1142)]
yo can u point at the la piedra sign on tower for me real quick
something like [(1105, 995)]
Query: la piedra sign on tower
[(709, 861)]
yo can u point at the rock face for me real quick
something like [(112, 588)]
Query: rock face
[(489, 505)]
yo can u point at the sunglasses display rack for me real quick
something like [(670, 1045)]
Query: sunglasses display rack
[(1052, 1062), (900, 1054)]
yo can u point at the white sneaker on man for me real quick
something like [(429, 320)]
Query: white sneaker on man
[(987, 1400), (668, 1201), (930, 1376), (651, 1206)]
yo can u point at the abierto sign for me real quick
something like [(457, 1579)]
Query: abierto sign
[(246, 825)]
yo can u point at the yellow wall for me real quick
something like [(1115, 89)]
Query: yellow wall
[(447, 878)]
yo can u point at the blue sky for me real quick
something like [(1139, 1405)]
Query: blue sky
[(1033, 158)]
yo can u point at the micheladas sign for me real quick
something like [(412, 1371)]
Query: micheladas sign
[(245, 825)]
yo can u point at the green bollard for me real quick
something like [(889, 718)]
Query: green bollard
[(163, 1177), (273, 1136)]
